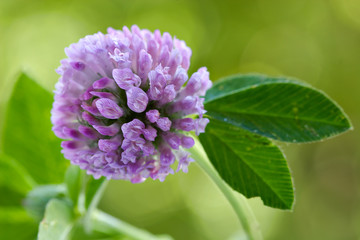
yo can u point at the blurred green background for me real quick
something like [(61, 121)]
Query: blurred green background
[(317, 41)]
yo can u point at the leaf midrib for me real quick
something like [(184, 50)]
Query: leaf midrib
[(269, 115), (245, 88)]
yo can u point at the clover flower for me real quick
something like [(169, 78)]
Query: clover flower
[(122, 107)]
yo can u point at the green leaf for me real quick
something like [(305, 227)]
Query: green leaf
[(73, 183), (27, 135), (16, 224), (21, 181), (278, 108), (249, 163), (15, 183), (57, 222), (37, 200)]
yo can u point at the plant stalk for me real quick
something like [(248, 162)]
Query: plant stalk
[(106, 223), (237, 201), (92, 207)]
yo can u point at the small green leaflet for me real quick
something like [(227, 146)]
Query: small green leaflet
[(27, 135), (37, 200), (57, 222), (249, 163), (278, 108)]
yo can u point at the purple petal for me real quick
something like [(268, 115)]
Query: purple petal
[(205, 81), (184, 105), (167, 40), (164, 123), (185, 52), (90, 119), (104, 83), (111, 130), (157, 84), (149, 133), (122, 59), (132, 130), (137, 179), (164, 55), (152, 115), (174, 61), (137, 99), (194, 84), (144, 65), (128, 156), (185, 124), (108, 108), (125, 78), (169, 94), (77, 65), (184, 161), (148, 149), (166, 157), (172, 139), (103, 95), (72, 145), (198, 83), (109, 145), (72, 133), (200, 125), (89, 132), (135, 145), (91, 109), (152, 48), (187, 142), (87, 95), (180, 78)]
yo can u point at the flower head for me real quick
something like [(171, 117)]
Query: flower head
[(122, 104)]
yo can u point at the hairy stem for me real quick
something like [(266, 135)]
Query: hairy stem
[(237, 201)]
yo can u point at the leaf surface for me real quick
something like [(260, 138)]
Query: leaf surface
[(249, 163), (27, 135), (278, 108), (20, 182), (57, 222)]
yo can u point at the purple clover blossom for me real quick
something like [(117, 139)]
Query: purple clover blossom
[(121, 105)]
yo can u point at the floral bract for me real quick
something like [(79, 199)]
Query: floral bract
[(123, 101)]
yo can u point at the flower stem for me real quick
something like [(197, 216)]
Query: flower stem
[(106, 223), (97, 187), (239, 204), (98, 221)]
